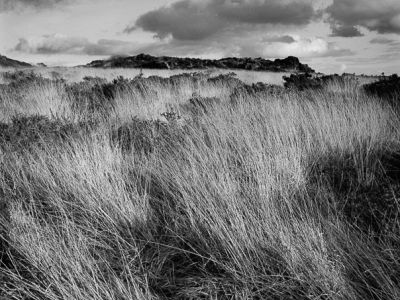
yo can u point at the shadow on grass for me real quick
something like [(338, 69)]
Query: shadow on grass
[(368, 201)]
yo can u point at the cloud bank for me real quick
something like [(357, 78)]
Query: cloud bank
[(271, 46), (267, 47), (345, 31), (9, 5), (234, 28), (197, 20), (382, 16)]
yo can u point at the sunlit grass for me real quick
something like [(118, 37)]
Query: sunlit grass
[(240, 202)]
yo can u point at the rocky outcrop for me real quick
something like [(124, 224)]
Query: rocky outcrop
[(8, 62), (145, 61)]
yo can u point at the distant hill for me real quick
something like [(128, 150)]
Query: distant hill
[(8, 62), (145, 61)]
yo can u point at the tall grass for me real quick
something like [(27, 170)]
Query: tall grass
[(249, 200), (37, 98), (156, 98)]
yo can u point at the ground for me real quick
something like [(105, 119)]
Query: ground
[(197, 186)]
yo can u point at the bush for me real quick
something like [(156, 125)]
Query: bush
[(302, 82), (307, 81), (255, 90), (145, 136), (94, 80), (90, 100), (27, 132), (386, 88), (199, 105), (19, 79)]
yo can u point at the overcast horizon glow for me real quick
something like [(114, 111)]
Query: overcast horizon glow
[(332, 36)]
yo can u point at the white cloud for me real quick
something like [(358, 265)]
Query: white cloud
[(300, 47)]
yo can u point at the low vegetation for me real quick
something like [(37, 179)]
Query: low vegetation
[(198, 187), (387, 87), (289, 64)]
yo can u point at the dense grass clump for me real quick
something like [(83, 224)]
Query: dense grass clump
[(308, 81), (198, 188)]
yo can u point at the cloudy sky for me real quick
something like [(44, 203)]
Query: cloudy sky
[(361, 36)]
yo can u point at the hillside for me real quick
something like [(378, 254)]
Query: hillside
[(8, 62), (146, 61)]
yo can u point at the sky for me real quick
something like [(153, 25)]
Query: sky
[(332, 36)]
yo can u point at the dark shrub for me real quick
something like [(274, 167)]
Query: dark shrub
[(139, 135), (145, 136), (387, 88), (228, 79), (19, 79), (301, 82), (91, 99), (254, 90), (109, 90), (25, 132), (94, 80), (204, 104), (198, 105), (95, 95), (307, 81)]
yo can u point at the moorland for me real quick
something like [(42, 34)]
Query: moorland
[(199, 186)]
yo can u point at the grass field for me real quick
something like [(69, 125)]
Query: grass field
[(76, 74), (197, 188)]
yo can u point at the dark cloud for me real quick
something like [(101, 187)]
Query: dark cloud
[(60, 44), (265, 12), (345, 31), (185, 20), (7, 5), (382, 16), (195, 20)]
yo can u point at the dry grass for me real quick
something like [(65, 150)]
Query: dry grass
[(76, 74), (45, 99), (246, 201)]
